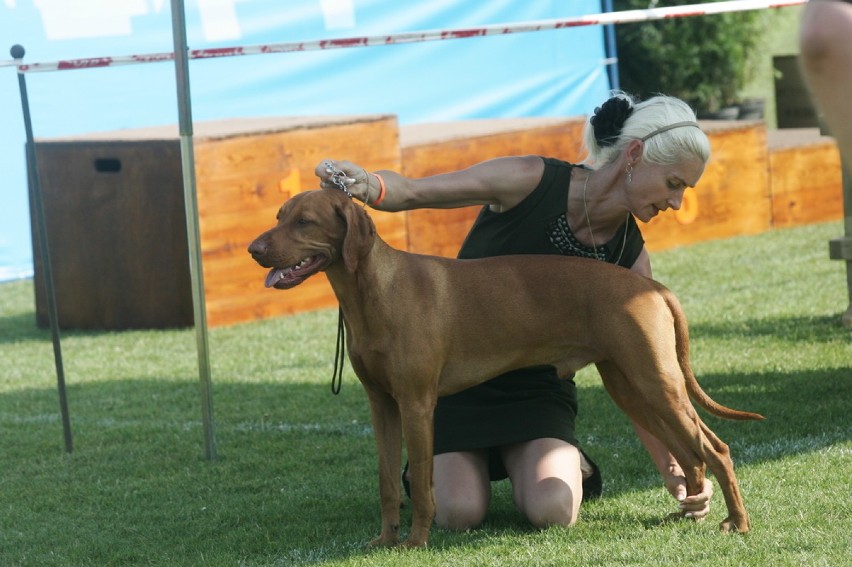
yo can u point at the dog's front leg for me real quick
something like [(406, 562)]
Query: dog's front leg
[(388, 430), (417, 424)]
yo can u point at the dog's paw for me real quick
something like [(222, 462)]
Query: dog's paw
[(383, 541), (732, 525), (413, 543)]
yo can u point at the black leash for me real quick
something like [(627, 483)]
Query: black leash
[(339, 178), (339, 354)]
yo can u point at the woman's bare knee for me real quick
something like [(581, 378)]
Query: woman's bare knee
[(546, 481), (822, 25), (815, 44), (459, 514), (550, 503), (462, 489)]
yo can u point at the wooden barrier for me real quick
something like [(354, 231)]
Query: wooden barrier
[(114, 203), (428, 149), (732, 197), (756, 180), (117, 234), (805, 177), (246, 172)]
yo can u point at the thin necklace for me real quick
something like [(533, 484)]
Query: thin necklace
[(586, 210), (589, 223)]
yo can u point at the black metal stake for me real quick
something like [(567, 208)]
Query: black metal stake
[(17, 53)]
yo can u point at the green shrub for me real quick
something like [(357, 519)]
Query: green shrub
[(704, 60)]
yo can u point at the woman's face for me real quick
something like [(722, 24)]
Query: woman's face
[(658, 188)]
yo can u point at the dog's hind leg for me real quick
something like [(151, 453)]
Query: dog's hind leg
[(696, 448), (668, 414), (388, 429), (650, 408), (672, 418), (720, 462)]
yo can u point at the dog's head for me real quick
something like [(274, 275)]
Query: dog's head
[(315, 229)]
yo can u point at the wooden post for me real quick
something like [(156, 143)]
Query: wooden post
[(841, 248)]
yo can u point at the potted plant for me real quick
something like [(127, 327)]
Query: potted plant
[(704, 60)]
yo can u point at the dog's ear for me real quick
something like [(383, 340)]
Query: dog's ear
[(360, 233)]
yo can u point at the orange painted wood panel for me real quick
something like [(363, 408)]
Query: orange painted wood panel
[(732, 197), (429, 149), (806, 180), (244, 178)]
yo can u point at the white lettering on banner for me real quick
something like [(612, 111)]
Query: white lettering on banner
[(338, 14), (79, 19), (219, 19), (76, 19)]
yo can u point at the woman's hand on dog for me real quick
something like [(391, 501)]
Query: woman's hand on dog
[(696, 506)]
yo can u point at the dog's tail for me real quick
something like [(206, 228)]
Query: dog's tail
[(692, 386)]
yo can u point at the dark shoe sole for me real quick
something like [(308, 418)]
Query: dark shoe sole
[(592, 486)]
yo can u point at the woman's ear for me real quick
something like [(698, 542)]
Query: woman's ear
[(633, 151)]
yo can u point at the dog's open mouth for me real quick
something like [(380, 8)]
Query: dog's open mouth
[(285, 278)]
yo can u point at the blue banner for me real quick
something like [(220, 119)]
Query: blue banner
[(550, 73)]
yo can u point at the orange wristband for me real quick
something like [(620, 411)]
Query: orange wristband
[(382, 191)]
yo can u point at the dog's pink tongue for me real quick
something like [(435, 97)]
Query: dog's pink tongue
[(273, 276)]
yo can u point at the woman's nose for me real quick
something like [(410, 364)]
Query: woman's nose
[(676, 200)]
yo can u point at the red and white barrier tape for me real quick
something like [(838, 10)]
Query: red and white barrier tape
[(627, 16)]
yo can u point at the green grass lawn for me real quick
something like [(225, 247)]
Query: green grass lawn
[(295, 482)]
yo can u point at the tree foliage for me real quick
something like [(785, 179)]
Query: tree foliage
[(704, 60)]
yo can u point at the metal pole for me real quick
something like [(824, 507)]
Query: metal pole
[(17, 53), (610, 50), (192, 231)]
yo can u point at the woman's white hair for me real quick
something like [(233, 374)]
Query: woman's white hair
[(663, 148)]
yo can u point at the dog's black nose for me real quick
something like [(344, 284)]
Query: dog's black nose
[(258, 248)]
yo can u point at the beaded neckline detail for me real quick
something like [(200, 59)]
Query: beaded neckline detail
[(566, 243)]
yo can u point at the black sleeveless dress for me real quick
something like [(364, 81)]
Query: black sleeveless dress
[(528, 403)]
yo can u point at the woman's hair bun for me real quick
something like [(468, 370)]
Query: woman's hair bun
[(609, 119)]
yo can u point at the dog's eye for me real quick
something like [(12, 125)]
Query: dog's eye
[(303, 221)]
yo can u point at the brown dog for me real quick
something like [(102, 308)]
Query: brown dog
[(422, 327)]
